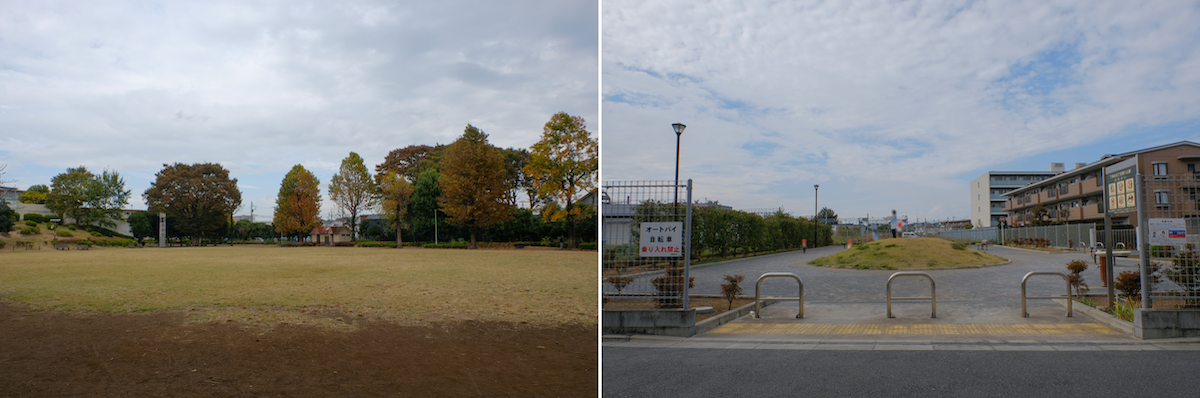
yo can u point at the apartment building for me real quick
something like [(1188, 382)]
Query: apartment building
[(1077, 196), (987, 192)]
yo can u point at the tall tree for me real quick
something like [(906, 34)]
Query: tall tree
[(197, 198), (35, 194), (403, 161), (353, 190), (298, 206), (566, 161), (473, 183), (515, 160), (106, 194), (396, 193), (139, 225), (69, 193), (424, 212), (827, 216)]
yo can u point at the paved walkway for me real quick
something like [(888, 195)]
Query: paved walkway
[(977, 308)]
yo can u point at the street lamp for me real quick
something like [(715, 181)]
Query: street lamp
[(678, 133), (815, 198)]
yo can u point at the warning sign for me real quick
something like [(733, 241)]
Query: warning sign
[(661, 239)]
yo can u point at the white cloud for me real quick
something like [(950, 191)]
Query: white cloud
[(262, 86), (886, 105)]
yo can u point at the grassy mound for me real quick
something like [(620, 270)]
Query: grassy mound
[(908, 253)]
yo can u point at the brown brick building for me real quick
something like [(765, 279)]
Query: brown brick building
[(1077, 196)]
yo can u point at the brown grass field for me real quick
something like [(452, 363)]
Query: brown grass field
[(909, 254), (413, 322)]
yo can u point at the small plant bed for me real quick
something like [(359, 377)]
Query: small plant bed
[(719, 305), (909, 253)]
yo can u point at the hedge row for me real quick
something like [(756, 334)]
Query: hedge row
[(720, 232)]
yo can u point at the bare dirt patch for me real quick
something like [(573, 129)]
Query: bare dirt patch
[(52, 353)]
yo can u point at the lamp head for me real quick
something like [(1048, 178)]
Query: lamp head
[(678, 128)]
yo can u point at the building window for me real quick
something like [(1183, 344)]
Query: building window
[(1160, 169), (1161, 198)]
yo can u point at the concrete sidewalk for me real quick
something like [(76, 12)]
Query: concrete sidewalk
[(977, 309)]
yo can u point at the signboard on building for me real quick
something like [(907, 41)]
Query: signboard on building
[(661, 239), (1167, 232), (1118, 187)]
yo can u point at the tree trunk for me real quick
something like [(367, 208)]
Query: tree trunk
[(570, 227), (399, 239), (472, 245)]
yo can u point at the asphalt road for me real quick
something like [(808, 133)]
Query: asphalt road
[(657, 372)]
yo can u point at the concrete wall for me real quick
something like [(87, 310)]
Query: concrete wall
[(663, 322), (1165, 324)]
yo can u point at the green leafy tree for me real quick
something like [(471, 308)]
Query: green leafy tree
[(565, 162), (35, 195), (425, 214), (353, 190), (139, 225), (298, 205), (827, 216), (1040, 213), (106, 195), (8, 217), (396, 194), (473, 183), (69, 193), (197, 198)]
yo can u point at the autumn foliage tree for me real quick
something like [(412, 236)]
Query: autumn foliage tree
[(298, 206), (395, 192), (473, 183), (198, 198), (405, 161), (353, 190), (565, 162)]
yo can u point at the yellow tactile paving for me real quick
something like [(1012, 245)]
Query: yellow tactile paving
[(909, 328)]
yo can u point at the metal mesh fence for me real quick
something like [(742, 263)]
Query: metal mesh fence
[(1172, 223), (631, 278)]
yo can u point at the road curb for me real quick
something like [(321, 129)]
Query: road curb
[(1103, 317)]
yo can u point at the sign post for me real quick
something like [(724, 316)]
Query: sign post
[(1119, 194)]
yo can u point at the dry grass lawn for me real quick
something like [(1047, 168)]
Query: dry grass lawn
[(910, 254), (266, 285)]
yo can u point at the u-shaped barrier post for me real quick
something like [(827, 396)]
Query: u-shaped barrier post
[(758, 289), (932, 292), (1023, 297)]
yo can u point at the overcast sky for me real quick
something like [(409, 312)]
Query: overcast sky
[(261, 86), (888, 105)]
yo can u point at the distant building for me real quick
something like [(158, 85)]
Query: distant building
[(987, 192), (10, 194), (1077, 196), (328, 236)]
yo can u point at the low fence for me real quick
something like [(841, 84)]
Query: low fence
[(1072, 236)]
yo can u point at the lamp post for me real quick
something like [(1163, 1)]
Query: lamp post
[(815, 198), (678, 133)]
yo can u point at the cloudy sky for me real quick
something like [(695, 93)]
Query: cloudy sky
[(887, 105), (262, 86)]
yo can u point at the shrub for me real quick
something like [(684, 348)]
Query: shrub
[(64, 233), (30, 231), (1076, 267), (2, 243), (619, 282), (731, 290), (339, 244), (96, 234), (1130, 282), (448, 245), (377, 244), (670, 287), (37, 218), (71, 227), (587, 246), (958, 246), (31, 223)]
